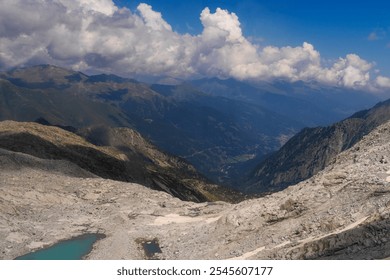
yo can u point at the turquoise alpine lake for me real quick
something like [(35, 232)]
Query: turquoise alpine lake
[(72, 249)]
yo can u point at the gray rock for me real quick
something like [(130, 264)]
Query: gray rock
[(41, 203)]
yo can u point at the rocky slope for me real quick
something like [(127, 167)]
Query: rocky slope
[(312, 149), (122, 154), (343, 212), (216, 133)]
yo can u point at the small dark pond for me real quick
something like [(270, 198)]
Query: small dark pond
[(151, 248), (72, 249)]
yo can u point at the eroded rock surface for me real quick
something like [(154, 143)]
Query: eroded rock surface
[(343, 212)]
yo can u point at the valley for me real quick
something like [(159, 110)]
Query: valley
[(343, 212), (122, 154), (224, 128), (312, 149), (194, 130), (149, 168)]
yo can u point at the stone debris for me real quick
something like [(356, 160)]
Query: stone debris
[(343, 212)]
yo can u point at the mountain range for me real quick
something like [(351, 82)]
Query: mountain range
[(312, 149), (222, 127), (342, 212), (310, 104), (116, 157)]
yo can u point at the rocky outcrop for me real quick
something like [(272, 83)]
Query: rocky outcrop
[(311, 150), (123, 155), (343, 212)]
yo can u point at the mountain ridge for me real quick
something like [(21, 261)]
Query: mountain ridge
[(140, 164), (224, 131), (343, 212), (312, 149), (217, 134)]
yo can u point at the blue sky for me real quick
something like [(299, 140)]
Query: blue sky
[(335, 28), (339, 43)]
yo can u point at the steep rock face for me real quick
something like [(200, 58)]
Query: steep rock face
[(131, 158), (312, 149), (343, 212)]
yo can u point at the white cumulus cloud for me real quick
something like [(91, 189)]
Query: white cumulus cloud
[(96, 35), (153, 19), (383, 81)]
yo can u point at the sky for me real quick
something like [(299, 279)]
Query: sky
[(334, 27), (341, 43)]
